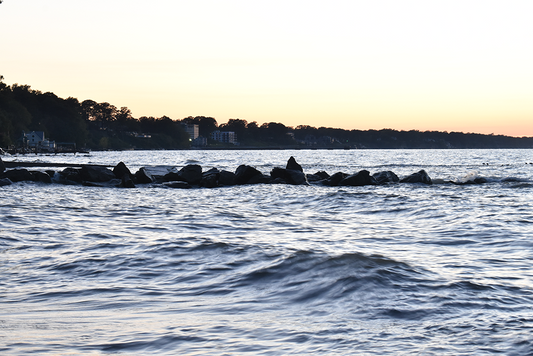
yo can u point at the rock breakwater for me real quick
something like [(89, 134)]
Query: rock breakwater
[(193, 176)]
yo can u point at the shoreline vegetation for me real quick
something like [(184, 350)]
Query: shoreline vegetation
[(81, 126)]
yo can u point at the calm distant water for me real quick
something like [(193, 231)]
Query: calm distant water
[(273, 269)]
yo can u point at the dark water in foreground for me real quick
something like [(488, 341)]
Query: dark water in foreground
[(274, 269)]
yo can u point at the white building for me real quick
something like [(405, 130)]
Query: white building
[(193, 130), (36, 139), (224, 136)]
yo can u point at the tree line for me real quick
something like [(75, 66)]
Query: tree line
[(100, 126)]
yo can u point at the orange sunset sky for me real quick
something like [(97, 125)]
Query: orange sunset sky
[(425, 65)]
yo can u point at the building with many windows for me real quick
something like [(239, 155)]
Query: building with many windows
[(224, 136), (193, 130)]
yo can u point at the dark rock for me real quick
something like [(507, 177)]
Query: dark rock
[(96, 174), (386, 177), (143, 177), (318, 176), (127, 182), (244, 173), (177, 184), (297, 177), (477, 180), (2, 166), (418, 177), (210, 178), (292, 164), (335, 179), (5, 181), (259, 179), (71, 175), (278, 181), (50, 172), (120, 170), (18, 175), (210, 181), (92, 184), (322, 174), (113, 183), (211, 171), (290, 176), (171, 177), (191, 174), (359, 179), (41, 177), (226, 178), (277, 172)]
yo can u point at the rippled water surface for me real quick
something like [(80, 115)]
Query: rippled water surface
[(407, 269)]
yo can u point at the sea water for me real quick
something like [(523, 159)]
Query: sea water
[(398, 269)]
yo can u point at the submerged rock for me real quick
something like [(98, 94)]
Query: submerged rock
[(5, 181), (177, 184), (113, 183), (418, 177), (477, 180)]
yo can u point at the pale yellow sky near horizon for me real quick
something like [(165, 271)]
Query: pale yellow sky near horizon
[(424, 65)]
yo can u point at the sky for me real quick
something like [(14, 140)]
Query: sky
[(413, 64)]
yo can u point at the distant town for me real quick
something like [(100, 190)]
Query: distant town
[(32, 121)]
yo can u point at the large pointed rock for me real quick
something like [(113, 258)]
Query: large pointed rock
[(121, 170), (292, 164)]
